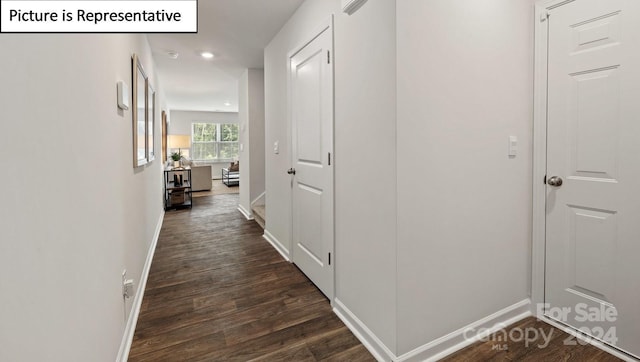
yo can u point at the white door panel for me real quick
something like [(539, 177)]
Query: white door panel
[(309, 209), (312, 141), (308, 110), (593, 144)]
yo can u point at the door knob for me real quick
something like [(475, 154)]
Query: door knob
[(555, 181), (291, 171)]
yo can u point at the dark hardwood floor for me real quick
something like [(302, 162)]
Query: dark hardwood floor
[(218, 291)]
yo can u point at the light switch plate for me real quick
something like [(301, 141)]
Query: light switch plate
[(276, 147), (513, 146)]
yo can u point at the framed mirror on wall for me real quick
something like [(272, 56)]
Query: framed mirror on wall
[(139, 112), (151, 122)]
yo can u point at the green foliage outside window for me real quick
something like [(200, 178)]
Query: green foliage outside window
[(229, 132), (204, 132)]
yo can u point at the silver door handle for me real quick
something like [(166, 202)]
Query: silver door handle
[(555, 181), (291, 171)]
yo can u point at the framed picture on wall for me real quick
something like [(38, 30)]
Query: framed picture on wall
[(151, 122), (163, 119), (139, 112)]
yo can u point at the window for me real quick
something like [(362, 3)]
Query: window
[(214, 142)]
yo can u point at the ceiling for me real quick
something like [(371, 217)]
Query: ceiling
[(236, 32)]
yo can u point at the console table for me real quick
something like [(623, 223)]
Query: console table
[(177, 195)]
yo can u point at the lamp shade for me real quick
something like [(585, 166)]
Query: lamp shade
[(179, 141)]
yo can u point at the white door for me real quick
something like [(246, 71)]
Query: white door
[(312, 145), (592, 280)]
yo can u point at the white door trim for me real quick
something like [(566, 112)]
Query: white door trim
[(539, 152), (326, 25), (542, 8)]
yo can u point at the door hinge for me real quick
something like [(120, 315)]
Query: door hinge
[(329, 258), (544, 16), (329, 158), (328, 57)]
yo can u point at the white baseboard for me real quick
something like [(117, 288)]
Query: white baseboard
[(441, 347), (130, 328), (378, 349), (247, 214), (276, 245), (455, 341)]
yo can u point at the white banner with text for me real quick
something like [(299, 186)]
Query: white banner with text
[(98, 16)]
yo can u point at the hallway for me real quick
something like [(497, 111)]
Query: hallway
[(218, 291)]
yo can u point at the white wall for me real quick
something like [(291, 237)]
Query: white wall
[(464, 207), (365, 165), (251, 119), (256, 131), (364, 140), (244, 150), (67, 237), (180, 123)]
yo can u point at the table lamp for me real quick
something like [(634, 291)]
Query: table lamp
[(178, 141)]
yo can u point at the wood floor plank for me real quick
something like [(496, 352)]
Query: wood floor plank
[(216, 319), (267, 324), (285, 289), (146, 343), (296, 353), (331, 345), (282, 339), (357, 353), (185, 351)]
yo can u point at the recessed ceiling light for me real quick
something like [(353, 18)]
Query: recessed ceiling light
[(173, 54), (207, 55), (227, 104)]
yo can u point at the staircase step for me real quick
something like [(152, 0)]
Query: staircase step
[(259, 214)]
